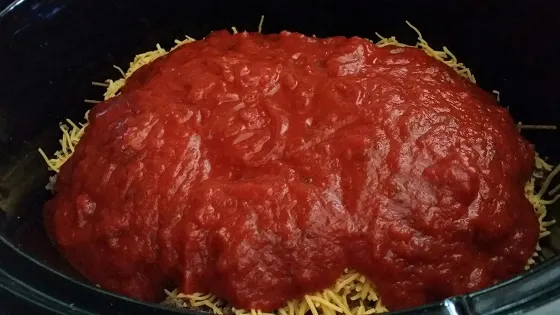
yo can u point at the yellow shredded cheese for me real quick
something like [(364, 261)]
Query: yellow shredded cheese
[(497, 93), (71, 135), (445, 55), (261, 24), (179, 43), (546, 127), (351, 286)]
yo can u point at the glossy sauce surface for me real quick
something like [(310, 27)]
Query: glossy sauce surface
[(259, 167)]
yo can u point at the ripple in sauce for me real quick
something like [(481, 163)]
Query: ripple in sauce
[(259, 167)]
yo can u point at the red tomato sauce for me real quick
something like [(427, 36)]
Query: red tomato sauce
[(259, 167)]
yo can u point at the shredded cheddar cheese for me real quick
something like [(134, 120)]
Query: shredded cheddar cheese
[(445, 55), (71, 135), (497, 93), (353, 293), (545, 127), (261, 24), (179, 43), (536, 199)]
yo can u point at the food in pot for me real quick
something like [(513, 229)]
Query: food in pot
[(280, 172)]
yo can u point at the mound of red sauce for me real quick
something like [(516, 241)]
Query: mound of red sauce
[(259, 167)]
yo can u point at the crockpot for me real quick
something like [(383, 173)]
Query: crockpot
[(51, 51)]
